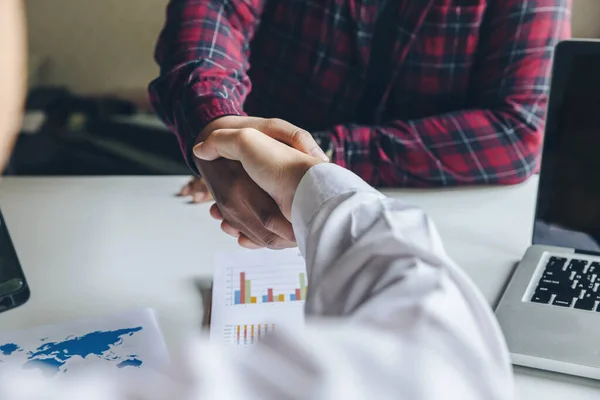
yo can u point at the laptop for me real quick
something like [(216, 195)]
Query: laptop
[(550, 311)]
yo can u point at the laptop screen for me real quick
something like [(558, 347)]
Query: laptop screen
[(568, 209)]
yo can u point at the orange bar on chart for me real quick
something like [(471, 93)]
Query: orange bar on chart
[(253, 300), (252, 334), (281, 297)]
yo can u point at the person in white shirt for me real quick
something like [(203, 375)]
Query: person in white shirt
[(390, 316)]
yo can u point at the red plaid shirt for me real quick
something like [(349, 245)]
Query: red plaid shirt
[(402, 92)]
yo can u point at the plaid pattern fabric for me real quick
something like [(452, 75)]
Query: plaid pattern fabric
[(402, 92)]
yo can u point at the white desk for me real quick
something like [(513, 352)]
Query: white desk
[(96, 246)]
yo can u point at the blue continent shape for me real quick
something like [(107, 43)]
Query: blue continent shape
[(8, 348), (130, 362), (52, 356)]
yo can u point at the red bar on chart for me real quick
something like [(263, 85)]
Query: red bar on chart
[(242, 288), (238, 334), (259, 332), (298, 295), (252, 334), (270, 296), (245, 335)]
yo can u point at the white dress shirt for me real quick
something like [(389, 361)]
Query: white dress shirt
[(389, 316)]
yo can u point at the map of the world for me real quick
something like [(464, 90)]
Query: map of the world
[(54, 357)]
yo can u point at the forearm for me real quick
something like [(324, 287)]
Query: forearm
[(203, 56), (380, 264), (476, 146)]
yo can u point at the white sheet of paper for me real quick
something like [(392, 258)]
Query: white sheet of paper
[(124, 344), (256, 292)]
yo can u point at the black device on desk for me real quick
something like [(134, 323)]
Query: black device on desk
[(14, 290)]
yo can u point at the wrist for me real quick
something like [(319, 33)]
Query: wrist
[(219, 123), (302, 169)]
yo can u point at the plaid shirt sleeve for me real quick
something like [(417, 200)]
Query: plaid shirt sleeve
[(203, 54), (498, 139)]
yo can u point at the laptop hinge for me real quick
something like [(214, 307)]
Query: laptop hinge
[(588, 253)]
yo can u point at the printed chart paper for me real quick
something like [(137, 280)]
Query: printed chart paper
[(255, 292)]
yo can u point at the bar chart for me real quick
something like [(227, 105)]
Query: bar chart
[(266, 286), (248, 334), (256, 293)]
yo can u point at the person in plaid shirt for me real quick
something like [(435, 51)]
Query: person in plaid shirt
[(420, 93)]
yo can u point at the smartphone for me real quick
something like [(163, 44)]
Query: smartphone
[(14, 290)]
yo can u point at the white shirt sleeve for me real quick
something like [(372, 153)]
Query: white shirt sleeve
[(390, 315)]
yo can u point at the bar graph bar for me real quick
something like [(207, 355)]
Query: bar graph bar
[(302, 286), (241, 295), (249, 334), (244, 295)]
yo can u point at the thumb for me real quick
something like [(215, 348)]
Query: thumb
[(293, 136), (221, 143)]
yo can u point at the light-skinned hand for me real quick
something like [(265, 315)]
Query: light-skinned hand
[(275, 167), (247, 211)]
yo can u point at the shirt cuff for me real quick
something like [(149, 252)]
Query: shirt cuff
[(320, 184), (202, 112)]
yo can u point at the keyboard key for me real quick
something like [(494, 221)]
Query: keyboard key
[(556, 275), (594, 268), (556, 263), (577, 266), (541, 297), (587, 303), (563, 301), (550, 282)]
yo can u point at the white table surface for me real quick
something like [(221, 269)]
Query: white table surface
[(97, 246)]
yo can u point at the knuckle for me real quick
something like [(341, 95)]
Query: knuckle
[(271, 241), (273, 123), (265, 218), (246, 133), (300, 136)]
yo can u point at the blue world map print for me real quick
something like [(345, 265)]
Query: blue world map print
[(53, 357)]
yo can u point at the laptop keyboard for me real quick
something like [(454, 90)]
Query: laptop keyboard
[(569, 283)]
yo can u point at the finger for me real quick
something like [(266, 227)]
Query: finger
[(280, 244), (223, 143), (273, 220), (281, 227), (186, 190), (200, 197), (261, 236), (293, 136), (215, 212), (248, 244), (230, 230)]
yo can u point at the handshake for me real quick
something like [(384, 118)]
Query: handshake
[(252, 167)]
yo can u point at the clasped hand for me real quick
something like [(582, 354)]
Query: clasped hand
[(252, 167)]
